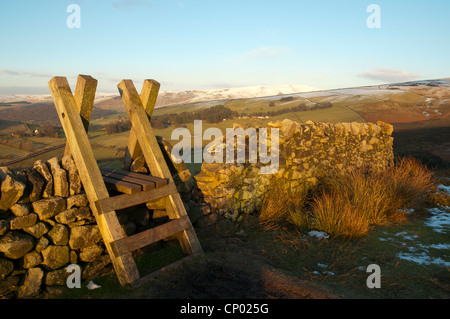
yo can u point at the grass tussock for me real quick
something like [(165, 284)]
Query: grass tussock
[(350, 205), (282, 205)]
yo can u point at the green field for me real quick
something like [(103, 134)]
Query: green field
[(8, 152), (118, 140)]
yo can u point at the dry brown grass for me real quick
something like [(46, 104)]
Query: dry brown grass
[(350, 205), (409, 181), (335, 214), (283, 205)]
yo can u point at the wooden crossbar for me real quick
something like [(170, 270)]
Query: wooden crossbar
[(150, 236), (129, 200), (136, 189)]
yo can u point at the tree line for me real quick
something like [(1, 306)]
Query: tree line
[(118, 127), (299, 108), (213, 114)]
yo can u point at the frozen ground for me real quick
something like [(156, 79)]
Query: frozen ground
[(437, 253)]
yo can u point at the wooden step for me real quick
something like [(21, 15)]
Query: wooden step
[(130, 183), (159, 182), (141, 184), (121, 186), (118, 202), (150, 236)]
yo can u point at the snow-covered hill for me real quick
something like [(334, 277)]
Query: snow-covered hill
[(112, 101), (241, 92)]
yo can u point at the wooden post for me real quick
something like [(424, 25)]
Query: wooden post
[(84, 98), (91, 177), (148, 98), (155, 160)]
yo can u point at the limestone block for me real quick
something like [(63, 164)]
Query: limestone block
[(23, 221), (55, 257), (84, 236), (78, 200), (91, 253), (37, 183), (66, 217), (15, 245), (6, 267), (75, 185), (139, 165), (49, 207), (20, 209), (44, 171), (355, 128), (32, 283), (11, 189), (32, 259), (42, 244), (59, 235), (57, 277), (38, 230), (60, 182)]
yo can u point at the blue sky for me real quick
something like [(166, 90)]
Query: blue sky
[(200, 44)]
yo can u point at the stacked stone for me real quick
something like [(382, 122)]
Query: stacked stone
[(45, 225), (307, 153)]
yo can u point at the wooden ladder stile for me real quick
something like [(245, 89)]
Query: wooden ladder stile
[(74, 114)]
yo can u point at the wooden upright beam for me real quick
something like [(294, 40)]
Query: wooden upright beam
[(148, 97), (90, 175), (155, 160), (84, 98)]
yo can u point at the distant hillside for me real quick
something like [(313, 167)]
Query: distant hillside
[(42, 113), (393, 103), (168, 98)]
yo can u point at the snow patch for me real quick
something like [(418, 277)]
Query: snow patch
[(318, 234), (439, 221), (423, 259), (444, 188), (92, 285), (404, 235), (385, 239)]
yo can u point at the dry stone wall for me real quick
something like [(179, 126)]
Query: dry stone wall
[(307, 153), (46, 224)]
